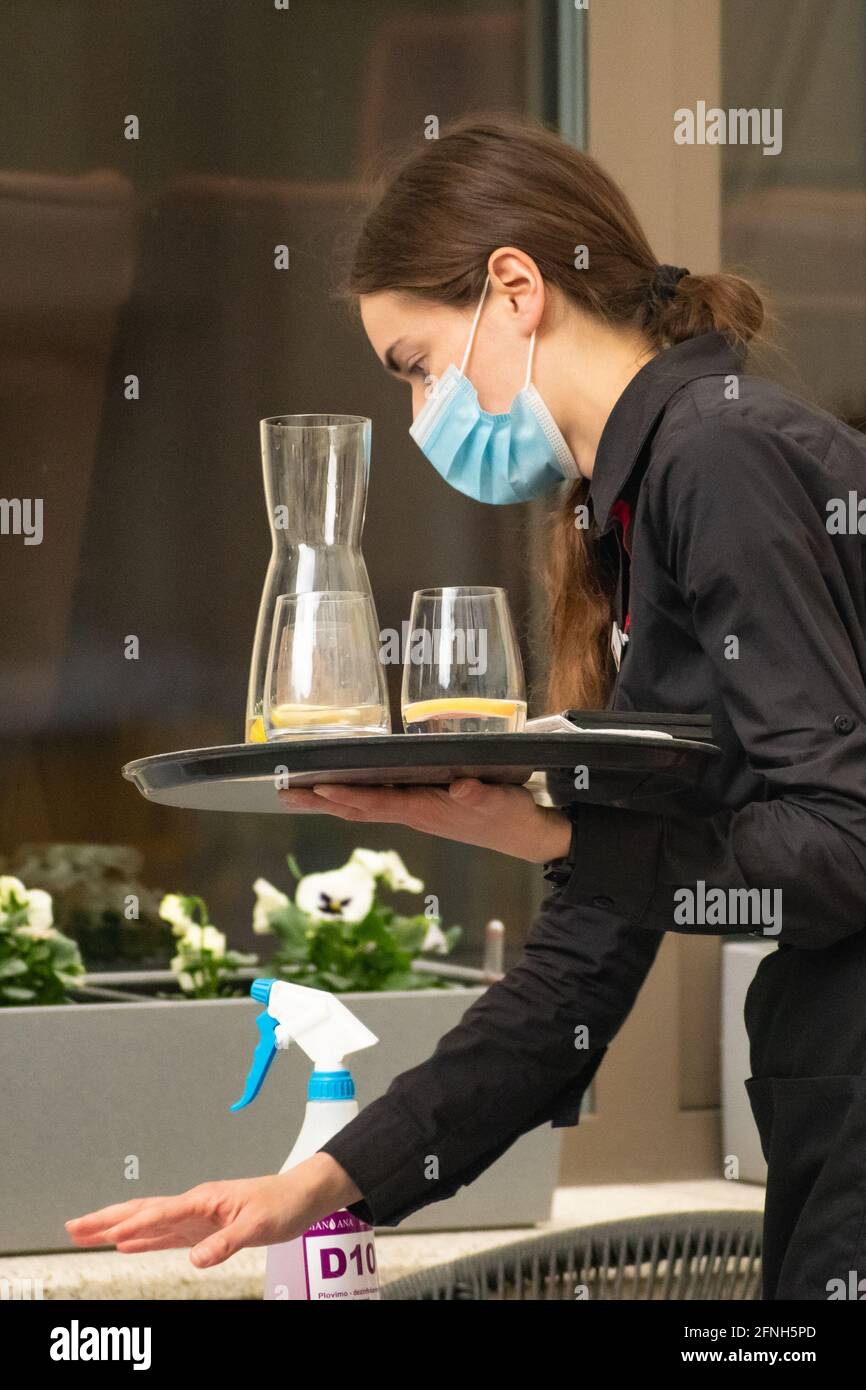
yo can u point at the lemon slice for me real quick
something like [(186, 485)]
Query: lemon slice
[(460, 705), (309, 716)]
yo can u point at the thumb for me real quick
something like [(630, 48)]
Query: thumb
[(466, 789), (218, 1247)]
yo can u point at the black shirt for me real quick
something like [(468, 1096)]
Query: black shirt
[(746, 596)]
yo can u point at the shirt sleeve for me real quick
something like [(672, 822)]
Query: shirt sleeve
[(523, 1054), (771, 598)]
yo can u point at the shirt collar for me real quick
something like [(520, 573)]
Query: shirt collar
[(640, 405)]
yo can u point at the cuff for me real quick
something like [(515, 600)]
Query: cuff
[(382, 1151), (614, 860), (559, 871), (568, 1105)]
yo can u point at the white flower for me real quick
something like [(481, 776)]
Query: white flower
[(214, 941), (37, 933), (268, 899), (172, 910), (340, 895), (40, 915), (10, 887), (435, 939), (39, 912), (197, 939), (389, 866)]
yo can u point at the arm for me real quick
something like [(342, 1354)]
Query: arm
[(750, 554), (511, 1064), (508, 1066)]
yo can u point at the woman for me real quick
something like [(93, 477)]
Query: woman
[(694, 567)]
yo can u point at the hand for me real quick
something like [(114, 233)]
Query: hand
[(502, 818), (219, 1218)]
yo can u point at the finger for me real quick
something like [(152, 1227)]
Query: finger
[(301, 799), (364, 798), (139, 1247), (487, 797), (378, 803), (340, 812), (293, 793), (215, 1249), (165, 1216), (305, 799), (96, 1221), (327, 808), (85, 1242), (174, 1234), (469, 791)]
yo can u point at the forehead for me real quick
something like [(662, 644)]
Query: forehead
[(390, 314)]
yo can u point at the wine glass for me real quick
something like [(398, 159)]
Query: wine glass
[(323, 675), (462, 670)]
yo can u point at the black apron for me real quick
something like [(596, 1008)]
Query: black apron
[(806, 1019)]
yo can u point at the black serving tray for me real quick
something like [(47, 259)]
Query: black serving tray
[(689, 726), (243, 776)]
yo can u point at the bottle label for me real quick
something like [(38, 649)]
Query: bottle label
[(334, 1259)]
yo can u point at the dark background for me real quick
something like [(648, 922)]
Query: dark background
[(155, 257)]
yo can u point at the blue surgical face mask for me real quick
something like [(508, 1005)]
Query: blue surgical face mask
[(511, 457)]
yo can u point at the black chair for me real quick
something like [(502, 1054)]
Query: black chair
[(694, 1255)]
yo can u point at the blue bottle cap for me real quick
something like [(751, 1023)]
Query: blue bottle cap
[(331, 1085)]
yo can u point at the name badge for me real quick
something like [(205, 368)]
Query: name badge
[(618, 640)]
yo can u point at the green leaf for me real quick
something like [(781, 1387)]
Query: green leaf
[(289, 922), (410, 932), (287, 970), (16, 994), (340, 984), (234, 959), (404, 979), (64, 950), (14, 966), (69, 977), (18, 917)]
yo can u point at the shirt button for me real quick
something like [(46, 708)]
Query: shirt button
[(843, 724), (602, 902)]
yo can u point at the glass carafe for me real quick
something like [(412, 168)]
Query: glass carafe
[(315, 474)]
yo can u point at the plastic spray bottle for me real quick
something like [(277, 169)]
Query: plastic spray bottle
[(336, 1257)]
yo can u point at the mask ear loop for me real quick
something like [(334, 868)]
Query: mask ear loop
[(473, 328), (529, 362)]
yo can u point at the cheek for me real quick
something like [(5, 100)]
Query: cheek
[(496, 390), (499, 375)]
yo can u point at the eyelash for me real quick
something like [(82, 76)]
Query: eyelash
[(416, 367)]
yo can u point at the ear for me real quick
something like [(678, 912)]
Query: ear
[(517, 287)]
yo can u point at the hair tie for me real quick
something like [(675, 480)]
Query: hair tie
[(665, 280)]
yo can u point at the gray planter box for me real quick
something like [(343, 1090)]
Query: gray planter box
[(740, 960), (89, 1090)]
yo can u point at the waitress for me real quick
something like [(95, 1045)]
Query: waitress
[(505, 278)]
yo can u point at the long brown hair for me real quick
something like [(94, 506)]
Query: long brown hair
[(437, 216)]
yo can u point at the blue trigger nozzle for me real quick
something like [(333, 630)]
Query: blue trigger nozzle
[(260, 990), (266, 1051)]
